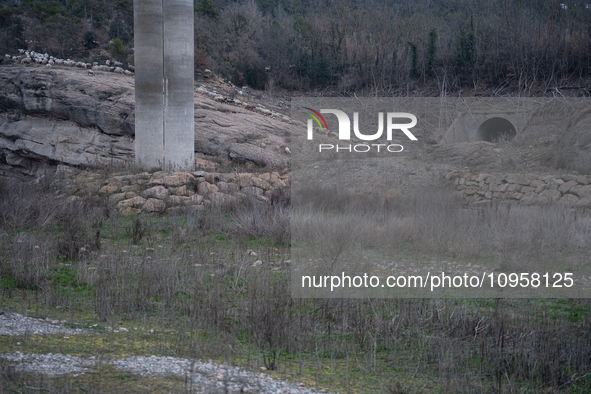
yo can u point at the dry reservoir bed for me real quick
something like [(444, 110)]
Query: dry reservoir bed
[(205, 376)]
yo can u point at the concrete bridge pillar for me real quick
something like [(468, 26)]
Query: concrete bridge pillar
[(164, 95)]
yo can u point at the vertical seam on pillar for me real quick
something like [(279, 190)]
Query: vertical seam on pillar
[(164, 104)]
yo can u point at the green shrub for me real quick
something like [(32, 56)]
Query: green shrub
[(117, 49)]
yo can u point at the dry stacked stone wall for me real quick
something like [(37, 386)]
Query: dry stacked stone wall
[(571, 190), (166, 192)]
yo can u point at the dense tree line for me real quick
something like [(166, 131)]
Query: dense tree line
[(64, 28), (382, 46)]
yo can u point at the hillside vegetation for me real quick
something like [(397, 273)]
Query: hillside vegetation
[(376, 46)]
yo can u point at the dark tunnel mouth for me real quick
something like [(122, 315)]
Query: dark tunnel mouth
[(496, 130)]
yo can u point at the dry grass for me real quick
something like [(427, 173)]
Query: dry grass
[(434, 223), (193, 278)]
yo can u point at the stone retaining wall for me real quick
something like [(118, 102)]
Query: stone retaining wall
[(166, 192), (572, 190)]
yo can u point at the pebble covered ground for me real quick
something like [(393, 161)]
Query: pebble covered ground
[(206, 377), (17, 324), (48, 364)]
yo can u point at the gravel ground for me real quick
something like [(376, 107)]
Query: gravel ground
[(209, 377), (16, 324), (47, 364), (206, 377)]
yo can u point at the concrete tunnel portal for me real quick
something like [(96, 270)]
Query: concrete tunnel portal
[(496, 130), (490, 126)]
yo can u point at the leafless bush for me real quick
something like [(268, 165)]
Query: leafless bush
[(395, 387), (137, 230), (28, 260), (252, 218), (81, 222), (243, 218), (270, 322), (22, 205)]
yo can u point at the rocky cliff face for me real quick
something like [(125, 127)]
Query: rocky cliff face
[(59, 115)]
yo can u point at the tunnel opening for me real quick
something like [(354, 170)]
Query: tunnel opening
[(496, 130)]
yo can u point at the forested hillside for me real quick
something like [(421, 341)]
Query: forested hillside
[(377, 46)]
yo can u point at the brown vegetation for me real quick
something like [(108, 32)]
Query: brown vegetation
[(375, 46), (195, 274)]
